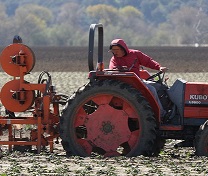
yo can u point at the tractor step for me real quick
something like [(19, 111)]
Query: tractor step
[(171, 127)]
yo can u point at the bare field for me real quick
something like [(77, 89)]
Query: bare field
[(75, 59), (67, 75)]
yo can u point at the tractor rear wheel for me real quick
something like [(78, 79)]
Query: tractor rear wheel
[(110, 118), (201, 140)]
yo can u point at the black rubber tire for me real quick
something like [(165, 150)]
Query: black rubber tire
[(144, 145), (201, 140), (159, 145)]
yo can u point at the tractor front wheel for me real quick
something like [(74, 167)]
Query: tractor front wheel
[(201, 140), (110, 118)]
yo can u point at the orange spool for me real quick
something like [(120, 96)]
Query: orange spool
[(15, 56), (14, 99)]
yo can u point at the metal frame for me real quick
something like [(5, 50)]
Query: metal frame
[(93, 27), (44, 112)]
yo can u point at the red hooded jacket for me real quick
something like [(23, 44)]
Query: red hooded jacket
[(132, 57)]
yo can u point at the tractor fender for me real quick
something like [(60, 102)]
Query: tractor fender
[(132, 79)]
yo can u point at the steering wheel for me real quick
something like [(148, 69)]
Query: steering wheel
[(158, 74)]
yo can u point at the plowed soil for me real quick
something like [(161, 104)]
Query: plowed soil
[(72, 59)]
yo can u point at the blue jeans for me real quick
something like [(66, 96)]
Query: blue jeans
[(154, 92)]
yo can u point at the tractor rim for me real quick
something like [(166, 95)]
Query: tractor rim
[(107, 125)]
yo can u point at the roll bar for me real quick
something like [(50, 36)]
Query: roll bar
[(91, 44)]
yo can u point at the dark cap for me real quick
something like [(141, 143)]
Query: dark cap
[(17, 39)]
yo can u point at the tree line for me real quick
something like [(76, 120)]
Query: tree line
[(138, 22)]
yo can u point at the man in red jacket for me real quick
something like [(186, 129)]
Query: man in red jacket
[(132, 60)]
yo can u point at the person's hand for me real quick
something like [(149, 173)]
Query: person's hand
[(124, 68), (121, 68), (163, 69), (115, 68)]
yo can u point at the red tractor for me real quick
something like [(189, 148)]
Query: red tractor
[(115, 114)]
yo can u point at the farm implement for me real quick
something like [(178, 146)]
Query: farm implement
[(113, 114), (38, 101)]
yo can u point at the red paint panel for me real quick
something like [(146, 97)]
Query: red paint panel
[(196, 100)]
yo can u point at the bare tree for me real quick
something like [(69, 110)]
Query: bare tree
[(201, 26)]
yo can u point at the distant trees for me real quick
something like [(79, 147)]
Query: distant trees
[(68, 28), (138, 22), (153, 10), (187, 25), (6, 26), (105, 14), (31, 22)]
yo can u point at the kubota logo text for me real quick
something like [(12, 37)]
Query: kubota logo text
[(198, 97)]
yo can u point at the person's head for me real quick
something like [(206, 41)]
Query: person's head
[(118, 48), (117, 51), (17, 39)]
